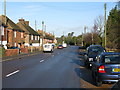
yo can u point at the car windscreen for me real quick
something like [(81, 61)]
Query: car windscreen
[(96, 49), (112, 59)]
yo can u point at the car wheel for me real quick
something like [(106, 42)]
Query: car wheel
[(98, 83), (51, 51)]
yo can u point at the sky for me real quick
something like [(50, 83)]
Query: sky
[(59, 17)]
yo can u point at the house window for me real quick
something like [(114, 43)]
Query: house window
[(15, 45), (38, 37), (2, 30), (35, 37), (15, 34), (21, 34), (31, 37)]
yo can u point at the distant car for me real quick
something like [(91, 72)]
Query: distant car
[(48, 48), (106, 68), (91, 53), (60, 47), (64, 45)]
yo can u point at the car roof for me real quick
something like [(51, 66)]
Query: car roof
[(94, 45), (110, 53)]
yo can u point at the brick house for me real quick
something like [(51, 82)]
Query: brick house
[(3, 38), (32, 38), (13, 34), (48, 37)]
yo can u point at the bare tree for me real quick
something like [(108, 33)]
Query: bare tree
[(99, 24)]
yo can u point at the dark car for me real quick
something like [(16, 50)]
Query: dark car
[(92, 52), (14, 48), (60, 47), (106, 68)]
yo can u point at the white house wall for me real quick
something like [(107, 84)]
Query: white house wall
[(35, 44), (4, 43)]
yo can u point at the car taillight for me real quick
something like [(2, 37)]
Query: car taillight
[(101, 69)]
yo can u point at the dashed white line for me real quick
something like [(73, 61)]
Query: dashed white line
[(12, 73), (41, 60)]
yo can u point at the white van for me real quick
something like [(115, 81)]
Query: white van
[(64, 45), (48, 48)]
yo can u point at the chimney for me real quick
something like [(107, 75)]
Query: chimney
[(27, 23), (21, 20)]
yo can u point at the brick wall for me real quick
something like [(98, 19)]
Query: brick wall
[(24, 50), (10, 37), (11, 52)]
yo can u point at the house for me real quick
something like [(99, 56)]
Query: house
[(13, 34), (32, 38), (3, 38), (48, 37)]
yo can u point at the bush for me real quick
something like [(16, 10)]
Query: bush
[(2, 51)]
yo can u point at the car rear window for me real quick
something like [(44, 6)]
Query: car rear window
[(60, 45), (96, 49), (112, 59), (47, 46)]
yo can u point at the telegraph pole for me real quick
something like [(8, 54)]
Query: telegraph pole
[(42, 33), (63, 37), (85, 29), (105, 24), (82, 39), (45, 31)]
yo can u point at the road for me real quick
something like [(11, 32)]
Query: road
[(64, 68)]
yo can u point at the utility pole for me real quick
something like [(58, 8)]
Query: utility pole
[(63, 37), (53, 37), (85, 29), (105, 24), (5, 10), (45, 30), (92, 38), (82, 39), (2, 29), (42, 33)]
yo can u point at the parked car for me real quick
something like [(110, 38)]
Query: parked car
[(60, 47), (91, 53), (13, 48), (64, 45), (116, 86), (48, 47), (106, 68)]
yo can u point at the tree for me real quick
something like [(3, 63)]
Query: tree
[(113, 28), (99, 23)]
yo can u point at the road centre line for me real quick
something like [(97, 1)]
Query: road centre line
[(12, 73), (41, 60)]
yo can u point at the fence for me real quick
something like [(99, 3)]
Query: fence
[(113, 50)]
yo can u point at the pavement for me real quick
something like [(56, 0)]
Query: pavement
[(8, 58)]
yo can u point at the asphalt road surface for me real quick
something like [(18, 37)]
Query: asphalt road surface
[(64, 68)]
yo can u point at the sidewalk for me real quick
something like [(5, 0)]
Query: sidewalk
[(18, 56)]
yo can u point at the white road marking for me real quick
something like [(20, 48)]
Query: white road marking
[(12, 73), (41, 60), (53, 55)]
